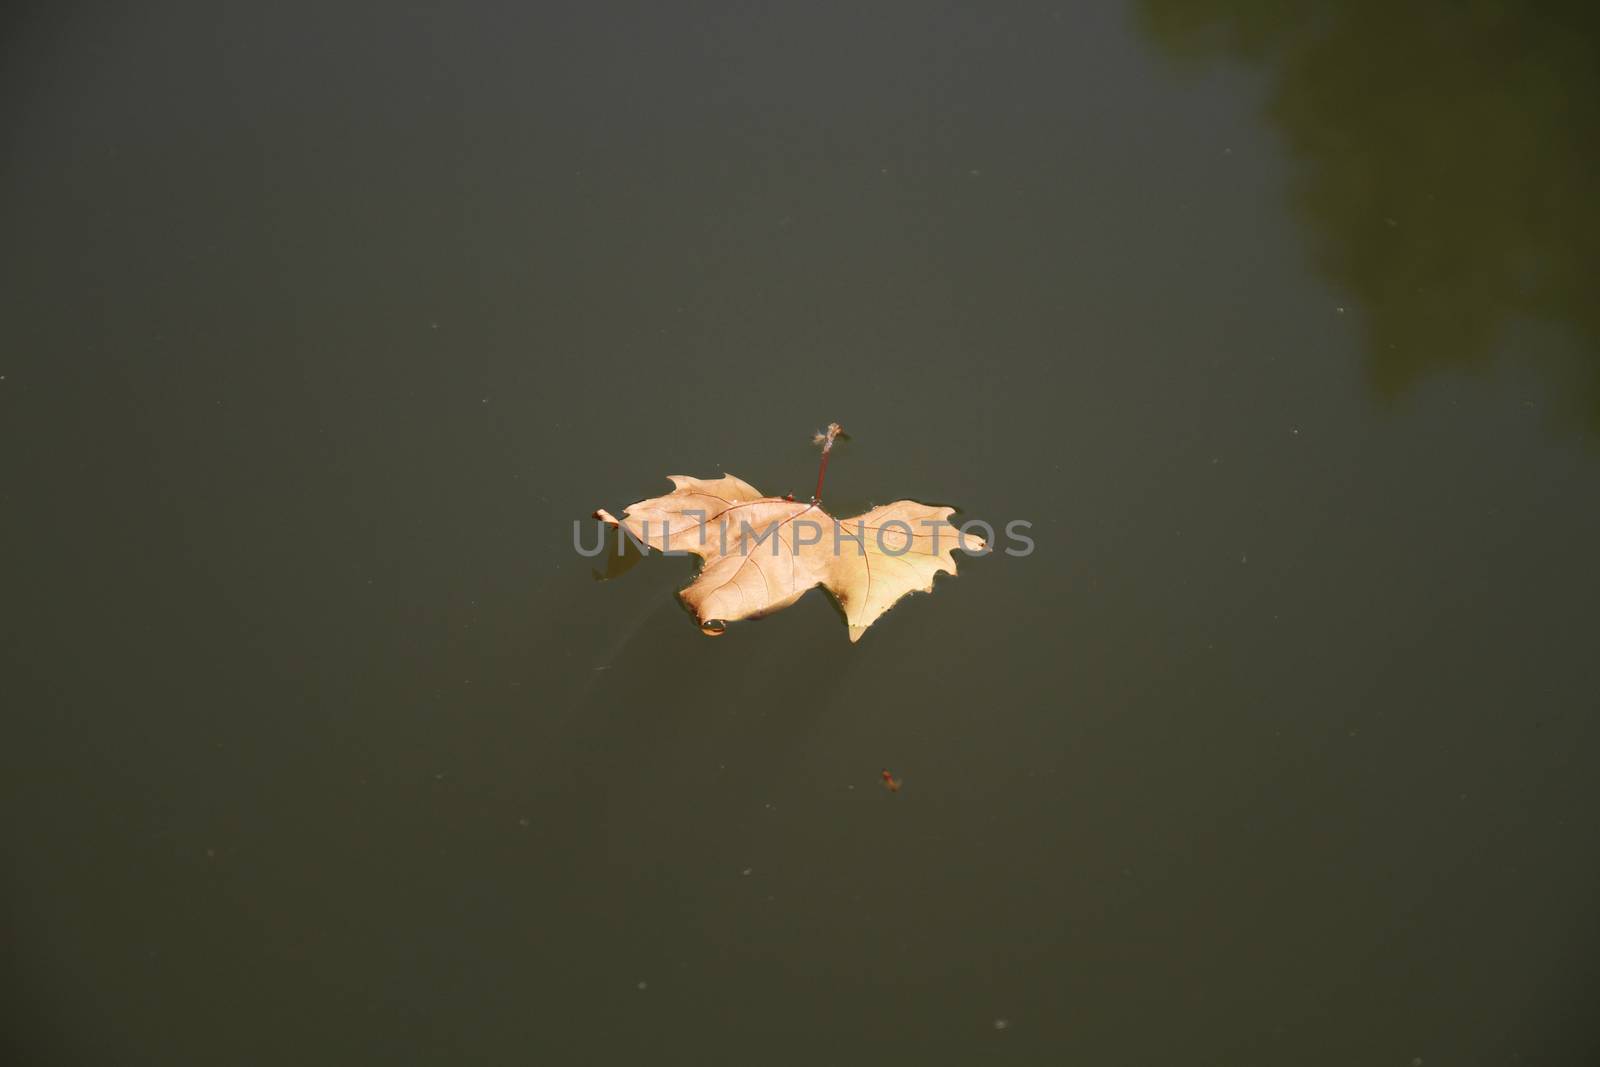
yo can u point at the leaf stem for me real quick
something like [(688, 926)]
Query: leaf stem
[(826, 441), (822, 472)]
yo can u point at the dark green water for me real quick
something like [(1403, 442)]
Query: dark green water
[(319, 327)]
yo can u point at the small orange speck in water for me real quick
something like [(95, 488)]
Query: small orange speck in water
[(890, 782)]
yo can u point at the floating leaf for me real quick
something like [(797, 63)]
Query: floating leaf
[(763, 553)]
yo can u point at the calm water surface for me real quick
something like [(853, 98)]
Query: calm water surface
[(322, 325)]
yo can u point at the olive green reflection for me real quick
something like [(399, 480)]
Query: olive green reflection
[(1446, 166)]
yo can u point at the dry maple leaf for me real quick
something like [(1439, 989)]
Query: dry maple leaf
[(763, 553)]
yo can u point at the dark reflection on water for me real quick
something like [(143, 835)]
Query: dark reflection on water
[(619, 555), (323, 323), (1448, 160)]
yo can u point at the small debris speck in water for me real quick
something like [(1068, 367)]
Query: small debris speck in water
[(1002, 1024), (746, 871), (642, 986)]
